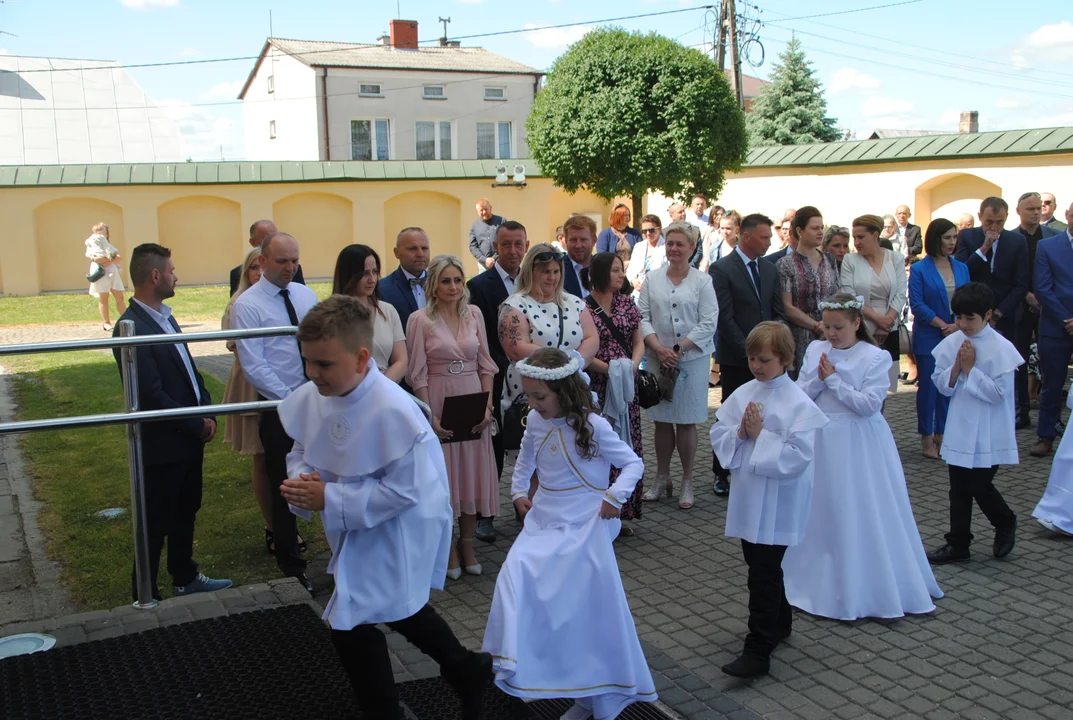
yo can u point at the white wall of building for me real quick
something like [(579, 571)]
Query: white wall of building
[(403, 103), (292, 107)]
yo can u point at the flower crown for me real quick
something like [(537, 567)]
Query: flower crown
[(855, 304), (542, 373)]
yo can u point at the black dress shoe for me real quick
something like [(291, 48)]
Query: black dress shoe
[(1004, 540), (486, 531), (1022, 423), (747, 666), (722, 484), (948, 554), (304, 582), (470, 679)]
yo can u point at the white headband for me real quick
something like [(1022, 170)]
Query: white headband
[(855, 304), (545, 374)]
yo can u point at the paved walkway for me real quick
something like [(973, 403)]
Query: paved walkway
[(1000, 644)]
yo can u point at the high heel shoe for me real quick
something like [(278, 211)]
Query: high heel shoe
[(454, 573), (470, 569), (685, 498), (662, 483)]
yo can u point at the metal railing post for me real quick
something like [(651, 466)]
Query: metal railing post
[(142, 573)]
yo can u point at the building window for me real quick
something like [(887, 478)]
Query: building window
[(433, 139), (271, 83), (370, 140), (271, 129), (435, 92), (370, 90), (493, 140), (495, 93)]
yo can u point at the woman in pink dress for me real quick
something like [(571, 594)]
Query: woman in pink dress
[(448, 356)]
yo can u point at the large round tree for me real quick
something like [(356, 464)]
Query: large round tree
[(625, 113)]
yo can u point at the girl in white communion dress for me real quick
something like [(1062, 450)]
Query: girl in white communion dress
[(559, 624)]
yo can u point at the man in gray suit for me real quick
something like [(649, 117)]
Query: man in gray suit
[(748, 294)]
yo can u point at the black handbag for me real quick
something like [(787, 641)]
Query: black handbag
[(96, 274), (514, 416), (646, 388)]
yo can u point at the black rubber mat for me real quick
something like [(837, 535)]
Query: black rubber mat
[(265, 664)]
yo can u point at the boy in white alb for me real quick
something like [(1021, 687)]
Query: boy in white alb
[(764, 434), (974, 368), (367, 459)]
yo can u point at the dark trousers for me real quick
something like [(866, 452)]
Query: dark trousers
[(966, 485), (277, 444), (1024, 334), (1054, 354), (731, 377), (172, 499), (364, 655), (770, 617)]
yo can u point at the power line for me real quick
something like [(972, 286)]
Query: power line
[(247, 58), (848, 12)]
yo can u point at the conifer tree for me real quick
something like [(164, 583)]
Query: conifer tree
[(791, 110)]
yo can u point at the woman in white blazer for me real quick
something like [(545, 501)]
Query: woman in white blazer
[(877, 275)]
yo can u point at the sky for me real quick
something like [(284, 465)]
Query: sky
[(914, 65)]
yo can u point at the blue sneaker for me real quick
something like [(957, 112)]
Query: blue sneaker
[(201, 584)]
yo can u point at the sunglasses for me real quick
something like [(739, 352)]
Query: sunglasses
[(547, 257), (650, 231)]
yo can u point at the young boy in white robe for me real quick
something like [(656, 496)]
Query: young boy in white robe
[(764, 435), (1055, 509), (861, 555), (368, 460), (559, 624), (974, 367)]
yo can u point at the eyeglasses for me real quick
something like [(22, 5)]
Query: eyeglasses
[(547, 257), (650, 231)]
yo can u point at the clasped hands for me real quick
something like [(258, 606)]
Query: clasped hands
[(825, 368), (305, 492), (966, 358), (751, 423), (477, 429)]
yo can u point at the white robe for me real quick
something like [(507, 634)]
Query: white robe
[(1056, 505), (862, 555), (980, 423), (559, 624), (387, 507), (769, 504)]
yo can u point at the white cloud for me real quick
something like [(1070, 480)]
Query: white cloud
[(1057, 35), (143, 4), (848, 79), (470, 2), (949, 118), (205, 135), (887, 107), (555, 37), (227, 90), (1020, 62), (190, 53)]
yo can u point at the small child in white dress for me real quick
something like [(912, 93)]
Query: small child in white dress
[(861, 555), (380, 483), (1055, 509), (764, 434), (559, 624)]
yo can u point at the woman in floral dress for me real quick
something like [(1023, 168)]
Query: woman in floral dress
[(607, 306)]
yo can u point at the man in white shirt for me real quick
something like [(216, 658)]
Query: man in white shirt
[(697, 217), (274, 366), (168, 378), (580, 240)]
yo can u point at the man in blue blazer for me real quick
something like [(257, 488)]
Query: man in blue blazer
[(487, 291), (998, 258), (1053, 291), (173, 449), (404, 288)]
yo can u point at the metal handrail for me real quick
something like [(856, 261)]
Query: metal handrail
[(133, 417)]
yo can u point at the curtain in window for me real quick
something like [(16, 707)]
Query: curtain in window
[(361, 141), (504, 139), (382, 140), (426, 140), (445, 141), (486, 141)]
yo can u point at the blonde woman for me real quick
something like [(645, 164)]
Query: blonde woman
[(240, 431), (102, 252), (448, 356)]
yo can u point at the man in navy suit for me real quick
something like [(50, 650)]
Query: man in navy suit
[(487, 291), (1029, 210), (580, 240), (404, 288), (168, 378), (1053, 291)]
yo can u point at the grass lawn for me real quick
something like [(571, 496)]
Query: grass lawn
[(195, 303), (80, 472)]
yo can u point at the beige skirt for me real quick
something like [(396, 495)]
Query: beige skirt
[(241, 431)]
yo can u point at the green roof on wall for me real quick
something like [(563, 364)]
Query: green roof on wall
[(1007, 143)]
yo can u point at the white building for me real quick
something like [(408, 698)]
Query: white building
[(55, 111), (307, 100)]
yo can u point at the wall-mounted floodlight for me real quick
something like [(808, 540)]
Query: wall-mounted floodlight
[(501, 174), (517, 180), (519, 174)]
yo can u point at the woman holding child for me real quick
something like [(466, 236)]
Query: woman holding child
[(448, 356)]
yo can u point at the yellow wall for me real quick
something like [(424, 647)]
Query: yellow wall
[(206, 226)]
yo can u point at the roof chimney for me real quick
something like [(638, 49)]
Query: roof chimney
[(404, 34), (970, 122), (384, 40)]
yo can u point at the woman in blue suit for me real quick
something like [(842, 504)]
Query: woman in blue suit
[(932, 282)]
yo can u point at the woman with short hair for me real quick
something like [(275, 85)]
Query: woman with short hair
[(648, 255), (836, 244), (618, 237)]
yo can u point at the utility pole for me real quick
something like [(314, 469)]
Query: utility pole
[(735, 56)]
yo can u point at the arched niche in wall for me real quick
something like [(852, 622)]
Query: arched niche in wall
[(438, 214), (60, 229), (322, 223), (200, 231), (949, 195), (561, 205)]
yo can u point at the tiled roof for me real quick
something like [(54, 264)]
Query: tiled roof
[(929, 147), (357, 55), (882, 134)]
